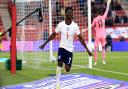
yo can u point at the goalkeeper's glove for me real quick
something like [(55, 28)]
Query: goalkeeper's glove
[(108, 2)]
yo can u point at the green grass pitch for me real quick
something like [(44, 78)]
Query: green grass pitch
[(116, 68)]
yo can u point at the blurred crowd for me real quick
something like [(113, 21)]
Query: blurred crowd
[(117, 15)]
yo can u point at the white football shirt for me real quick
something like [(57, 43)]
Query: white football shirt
[(67, 34)]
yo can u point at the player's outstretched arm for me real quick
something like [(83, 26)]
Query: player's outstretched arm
[(49, 39), (84, 44), (106, 12)]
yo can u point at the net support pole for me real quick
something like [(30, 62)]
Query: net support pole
[(13, 41), (89, 31), (50, 28)]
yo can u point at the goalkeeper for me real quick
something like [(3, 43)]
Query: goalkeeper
[(67, 28), (99, 25)]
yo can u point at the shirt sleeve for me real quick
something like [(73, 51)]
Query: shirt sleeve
[(57, 30), (106, 12), (77, 30)]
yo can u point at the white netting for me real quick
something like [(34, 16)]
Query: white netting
[(31, 33)]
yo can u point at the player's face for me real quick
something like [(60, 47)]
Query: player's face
[(69, 14)]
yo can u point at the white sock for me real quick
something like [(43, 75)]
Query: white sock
[(58, 74)]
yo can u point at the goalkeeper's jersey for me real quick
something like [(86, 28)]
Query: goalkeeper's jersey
[(99, 24), (67, 34)]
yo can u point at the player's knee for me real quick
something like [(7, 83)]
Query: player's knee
[(67, 68), (60, 64)]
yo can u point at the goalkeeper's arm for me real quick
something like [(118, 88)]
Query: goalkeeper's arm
[(106, 12)]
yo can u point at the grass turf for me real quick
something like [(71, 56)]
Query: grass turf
[(116, 68)]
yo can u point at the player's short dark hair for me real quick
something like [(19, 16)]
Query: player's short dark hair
[(68, 8), (99, 11)]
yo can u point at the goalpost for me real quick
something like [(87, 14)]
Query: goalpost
[(31, 32), (89, 32)]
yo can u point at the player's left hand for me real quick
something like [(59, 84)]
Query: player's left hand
[(42, 46), (89, 53)]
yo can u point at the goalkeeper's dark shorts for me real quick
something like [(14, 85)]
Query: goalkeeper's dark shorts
[(65, 56)]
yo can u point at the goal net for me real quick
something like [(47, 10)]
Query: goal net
[(33, 31)]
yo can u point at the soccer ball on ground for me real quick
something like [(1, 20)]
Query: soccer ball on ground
[(53, 59)]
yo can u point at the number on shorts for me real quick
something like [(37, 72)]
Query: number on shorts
[(69, 60)]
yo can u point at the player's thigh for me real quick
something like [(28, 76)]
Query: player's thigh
[(60, 64), (61, 56), (97, 41), (96, 44), (67, 68), (68, 60), (103, 42)]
